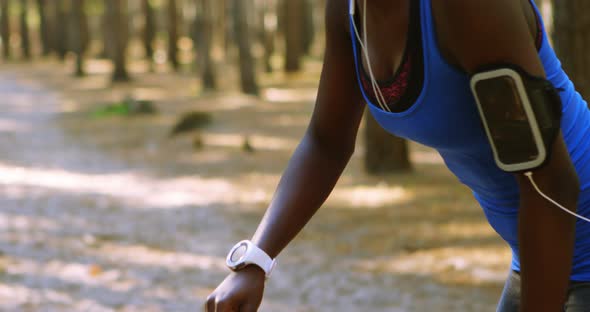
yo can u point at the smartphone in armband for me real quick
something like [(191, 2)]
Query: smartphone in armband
[(520, 114)]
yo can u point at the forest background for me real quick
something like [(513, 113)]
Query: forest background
[(139, 139)]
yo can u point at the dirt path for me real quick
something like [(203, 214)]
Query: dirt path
[(99, 216)]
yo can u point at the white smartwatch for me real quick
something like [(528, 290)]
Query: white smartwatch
[(245, 253)]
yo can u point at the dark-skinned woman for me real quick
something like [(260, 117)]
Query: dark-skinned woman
[(413, 63)]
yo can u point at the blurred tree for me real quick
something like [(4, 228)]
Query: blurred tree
[(571, 38), (173, 34), (221, 24), (61, 29), (44, 28), (308, 31), (25, 41), (117, 35), (79, 34), (384, 153), (203, 38), (293, 13), (106, 41), (149, 30), (268, 29), (242, 34), (5, 27)]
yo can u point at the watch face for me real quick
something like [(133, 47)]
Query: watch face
[(238, 253)]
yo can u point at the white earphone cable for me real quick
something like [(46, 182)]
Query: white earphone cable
[(370, 68), (530, 176), (364, 50)]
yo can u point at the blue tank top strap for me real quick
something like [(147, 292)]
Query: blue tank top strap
[(551, 63), (541, 22), (429, 32)]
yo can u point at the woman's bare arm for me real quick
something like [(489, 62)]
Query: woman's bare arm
[(313, 169), (496, 31), (327, 145)]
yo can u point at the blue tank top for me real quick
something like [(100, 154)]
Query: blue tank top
[(445, 118)]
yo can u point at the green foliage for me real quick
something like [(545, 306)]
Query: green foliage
[(126, 107)]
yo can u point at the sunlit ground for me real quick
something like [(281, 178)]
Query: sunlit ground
[(113, 215)]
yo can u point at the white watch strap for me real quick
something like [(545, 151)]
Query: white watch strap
[(257, 256)]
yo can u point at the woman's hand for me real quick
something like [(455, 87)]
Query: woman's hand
[(240, 292)]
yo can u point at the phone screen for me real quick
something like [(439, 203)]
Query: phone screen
[(509, 126)]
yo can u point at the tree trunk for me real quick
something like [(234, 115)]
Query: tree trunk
[(61, 29), (228, 35), (223, 25), (293, 11), (117, 33), (24, 30), (572, 40), (384, 153), (242, 36), (104, 53), (149, 30), (44, 28), (268, 31), (173, 34), (79, 29), (308, 31), (5, 28), (204, 39)]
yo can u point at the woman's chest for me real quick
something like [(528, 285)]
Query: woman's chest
[(443, 117)]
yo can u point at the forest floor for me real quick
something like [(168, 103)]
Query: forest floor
[(110, 214)]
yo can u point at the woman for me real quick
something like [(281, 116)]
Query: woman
[(431, 48)]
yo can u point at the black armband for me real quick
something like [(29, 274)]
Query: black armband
[(521, 115)]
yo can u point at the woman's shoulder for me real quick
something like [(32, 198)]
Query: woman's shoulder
[(337, 18), (477, 32)]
